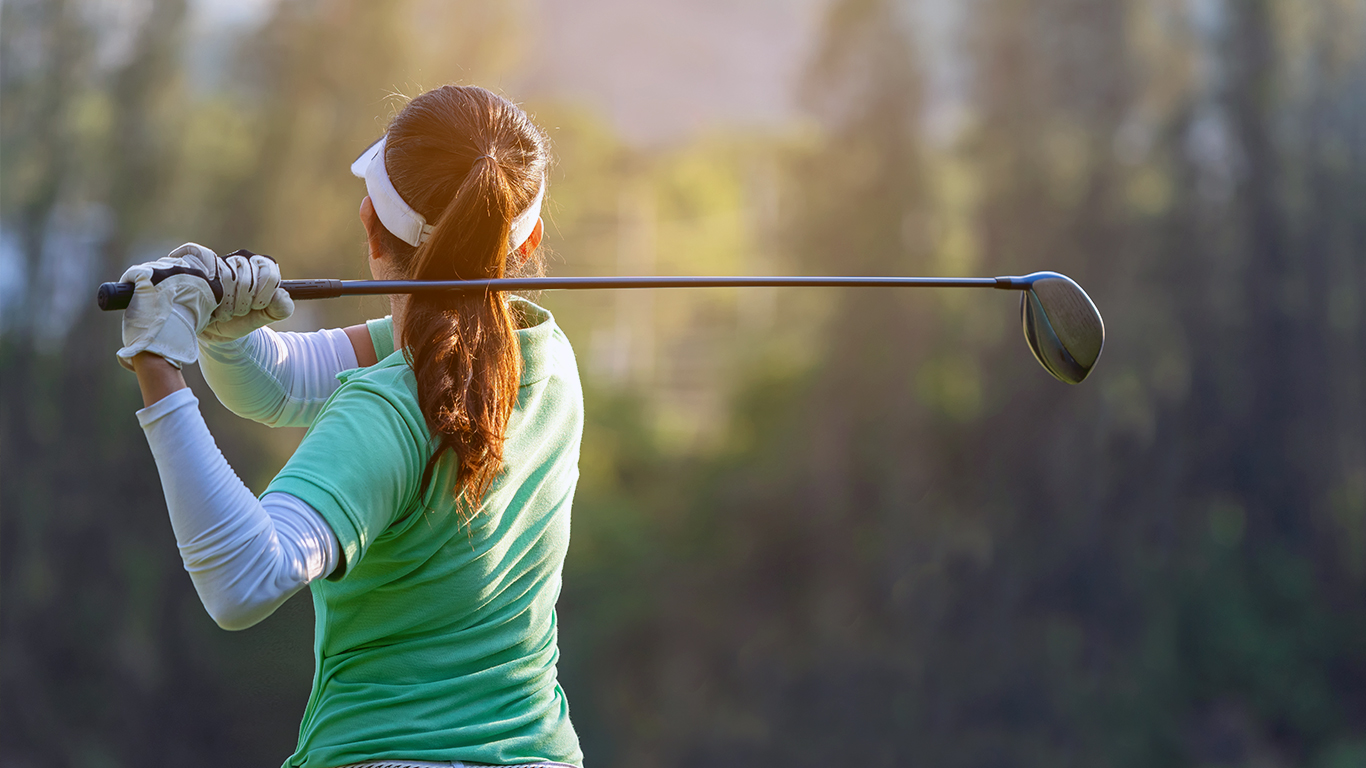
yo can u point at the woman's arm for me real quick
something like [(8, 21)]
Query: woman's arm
[(362, 344), (245, 557), (281, 379), (156, 377)]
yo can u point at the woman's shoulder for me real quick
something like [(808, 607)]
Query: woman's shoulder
[(545, 348), (388, 384), (381, 335)]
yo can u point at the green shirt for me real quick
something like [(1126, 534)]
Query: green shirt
[(436, 641)]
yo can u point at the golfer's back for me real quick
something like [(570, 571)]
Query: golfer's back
[(436, 639)]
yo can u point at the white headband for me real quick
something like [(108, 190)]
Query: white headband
[(409, 225)]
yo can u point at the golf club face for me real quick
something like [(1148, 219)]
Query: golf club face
[(1062, 325)]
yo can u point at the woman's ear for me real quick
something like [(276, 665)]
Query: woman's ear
[(533, 241), (373, 227)]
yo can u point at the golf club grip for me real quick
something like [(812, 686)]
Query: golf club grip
[(117, 295), (114, 296)]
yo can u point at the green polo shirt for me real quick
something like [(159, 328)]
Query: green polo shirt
[(436, 641)]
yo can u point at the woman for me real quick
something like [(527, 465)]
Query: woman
[(428, 504)]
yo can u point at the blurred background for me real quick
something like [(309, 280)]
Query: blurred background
[(813, 527)]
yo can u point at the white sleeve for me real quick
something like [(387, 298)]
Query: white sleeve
[(278, 379), (246, 557)]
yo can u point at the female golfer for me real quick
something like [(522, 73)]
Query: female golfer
[(428, 505)]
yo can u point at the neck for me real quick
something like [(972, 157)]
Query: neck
[(398, 305)]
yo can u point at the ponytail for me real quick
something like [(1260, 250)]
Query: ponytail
[(462, 347)]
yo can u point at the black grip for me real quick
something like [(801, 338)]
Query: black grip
[(112, 296), (312, 289)]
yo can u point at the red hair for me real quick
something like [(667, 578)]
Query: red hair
[(469, 161)]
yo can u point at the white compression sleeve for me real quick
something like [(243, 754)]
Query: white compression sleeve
[(246, 557), (278, 379)]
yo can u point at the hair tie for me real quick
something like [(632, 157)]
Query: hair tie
[(481, 157)]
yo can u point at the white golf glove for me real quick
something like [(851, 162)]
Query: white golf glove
[(166, 314), (252, 297)]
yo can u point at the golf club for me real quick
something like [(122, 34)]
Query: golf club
[(1061, 323)]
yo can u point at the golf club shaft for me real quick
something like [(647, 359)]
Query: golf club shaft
[(117, 295)]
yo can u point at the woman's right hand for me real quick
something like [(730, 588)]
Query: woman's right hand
[(252, 297)]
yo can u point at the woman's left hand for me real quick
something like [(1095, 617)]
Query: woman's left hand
[(164, 317)]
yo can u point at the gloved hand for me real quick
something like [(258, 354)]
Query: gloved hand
[(252, 297), (165, 317)]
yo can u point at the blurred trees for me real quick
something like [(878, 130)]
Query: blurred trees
[(906, 544), (924, 552), (94, 642), (110, 156)]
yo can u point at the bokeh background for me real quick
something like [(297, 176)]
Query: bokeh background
[(814, 527)]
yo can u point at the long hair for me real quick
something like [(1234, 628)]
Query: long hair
[(469, 161)]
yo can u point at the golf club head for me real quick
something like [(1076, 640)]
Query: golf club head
[(1062, 325)]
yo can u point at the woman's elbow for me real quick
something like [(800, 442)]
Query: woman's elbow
[(237, 615)]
